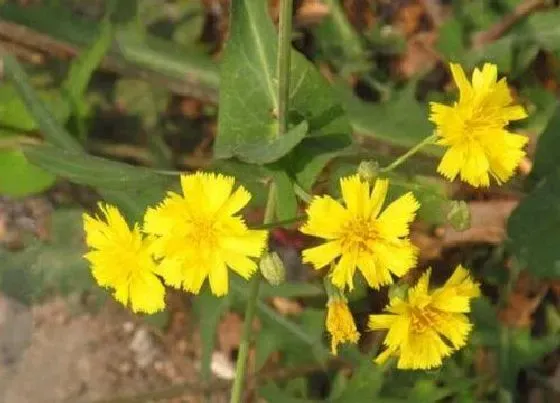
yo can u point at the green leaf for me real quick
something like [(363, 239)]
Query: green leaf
[(273, 394), (42, 268), (534, 228), (263, 150), (49, 125), (450, 40), (364, 385), (84, 65), (13, 112), (209, 310), (430, 193), (545, 29), (19, 177), (548, 146), (89, 170), (339, 42), (286, 202), (400, 121), (248, 101)]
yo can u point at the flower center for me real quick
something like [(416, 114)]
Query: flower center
[(423, 319), (204, 233), (479, 119), (358, 234)]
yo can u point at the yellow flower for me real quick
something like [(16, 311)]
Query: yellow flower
[(197, 234), (340, 324), (475, 131), (121, 260), (361, 235), (426, 327)]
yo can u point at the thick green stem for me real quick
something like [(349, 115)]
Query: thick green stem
[(252, 300), (409, 153), (283, 63)]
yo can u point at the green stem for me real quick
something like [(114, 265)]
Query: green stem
[(280, 223), (252, 300), (428, 140), (283, 63), (302, 194)]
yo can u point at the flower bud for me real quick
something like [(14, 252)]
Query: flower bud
[(459, 215), (272, 268), (368, 170)]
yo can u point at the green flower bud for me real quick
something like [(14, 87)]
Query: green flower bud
[(272, 268), (459, 215), (368, 170)]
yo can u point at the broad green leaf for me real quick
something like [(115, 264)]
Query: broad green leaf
[(400, 121), (548, 146), (248, 101), (42, 268), (19, 178), (209, 310), (263, 151), (534, 228), (47, 121), (89, 170), (534, 225), (307, 163)]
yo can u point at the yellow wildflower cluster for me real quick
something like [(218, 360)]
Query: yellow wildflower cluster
[(199, 234), (184, 240)]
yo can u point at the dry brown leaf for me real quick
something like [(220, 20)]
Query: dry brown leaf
[(419, 54), (311, 12), (287, 306), (523, 301), (488, 225)]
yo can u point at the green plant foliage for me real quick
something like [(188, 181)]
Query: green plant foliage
[(534, 226), (19, 178), (43, 268), (209, 310), (339, 42), (399, 121), (248, 102)]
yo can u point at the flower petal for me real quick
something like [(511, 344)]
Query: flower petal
[(322, 255), (395, 220), (326, 218), (378, 195), (343, 273), (355, 194)]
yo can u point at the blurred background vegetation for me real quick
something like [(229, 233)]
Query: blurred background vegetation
[(124, 87)]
